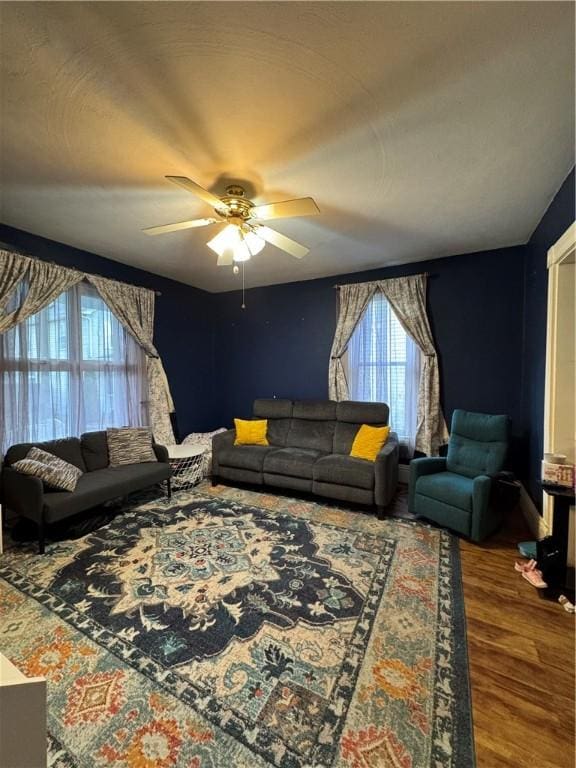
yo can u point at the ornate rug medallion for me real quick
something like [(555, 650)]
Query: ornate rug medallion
[(215, 632)]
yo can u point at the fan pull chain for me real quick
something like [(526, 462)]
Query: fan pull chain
[(243, 288)]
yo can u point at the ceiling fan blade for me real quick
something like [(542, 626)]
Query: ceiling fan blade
[(282, 242), (196, 189), (303, 206), (180, 225)]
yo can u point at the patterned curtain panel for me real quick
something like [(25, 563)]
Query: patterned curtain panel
[(353, 302), (407, 297), (44, 283), (134, 307)]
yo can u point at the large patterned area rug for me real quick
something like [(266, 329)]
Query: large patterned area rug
[(228, 629)]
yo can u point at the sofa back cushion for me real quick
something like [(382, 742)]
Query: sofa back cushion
[(94, 450), (350, 415), (315, 410), (317, 435), (67, 449), (356, 412), (278, 413), (312, 426), (478, 443), (272, 408)]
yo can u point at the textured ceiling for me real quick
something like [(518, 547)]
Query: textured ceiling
[(421, 129)]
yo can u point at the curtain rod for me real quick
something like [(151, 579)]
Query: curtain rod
[(426, 274)]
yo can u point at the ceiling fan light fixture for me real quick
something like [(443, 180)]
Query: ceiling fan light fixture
[(241, 253), (226, 240), (243, 245), (254, 243)]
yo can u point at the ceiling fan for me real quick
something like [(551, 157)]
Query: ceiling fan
[(244, 234)]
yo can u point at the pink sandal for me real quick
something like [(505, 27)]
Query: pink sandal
[(534, 577), (524, 567)]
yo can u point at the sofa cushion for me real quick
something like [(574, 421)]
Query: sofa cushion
[(243, 456), (129, 445), (251, 431), (272, 408), (344, 434), (94, 450), (315, 410), (345, 470), (54, 473), (67, 449), (296, 462), (315, 435), (369, 441), (278, 431), (448, 487), (355, 412), (102, 485)]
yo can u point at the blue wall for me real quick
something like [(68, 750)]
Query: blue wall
[(182, 331), (280, 344), (556, 220), (487, 312)]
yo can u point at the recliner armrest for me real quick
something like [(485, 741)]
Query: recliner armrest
[(484, 520), (418, 468), (22, 493)]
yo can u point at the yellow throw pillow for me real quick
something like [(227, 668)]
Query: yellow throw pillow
[(251, 432), (368, 442)]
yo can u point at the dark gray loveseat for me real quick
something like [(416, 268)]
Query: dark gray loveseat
[(27, 496), (309, 449)]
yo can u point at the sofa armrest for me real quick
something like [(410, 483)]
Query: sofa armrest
[(161, 452), (219, 442), (22, 494), (386, 471), (419, 468)]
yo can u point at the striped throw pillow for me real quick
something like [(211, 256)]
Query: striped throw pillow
[(54, 472), (129, 445)]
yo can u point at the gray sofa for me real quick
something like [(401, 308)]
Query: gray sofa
[(27, 496), (309, 449)]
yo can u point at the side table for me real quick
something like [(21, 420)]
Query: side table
[(563, 499), (188, 464)]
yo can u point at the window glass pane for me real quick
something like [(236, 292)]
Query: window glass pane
[(71, 368), (102, 333), (46, 333), (384, 366)]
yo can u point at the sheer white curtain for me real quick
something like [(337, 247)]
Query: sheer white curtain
[(68, 369), (383, 365)]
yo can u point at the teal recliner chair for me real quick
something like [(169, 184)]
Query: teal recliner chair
[(455, 491)]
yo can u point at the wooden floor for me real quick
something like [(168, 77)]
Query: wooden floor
[(521, 652)]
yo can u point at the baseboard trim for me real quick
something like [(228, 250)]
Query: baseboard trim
[(534, 519), (403, 473)]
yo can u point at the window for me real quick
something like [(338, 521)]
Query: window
[(71, 368), (384, 366)]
